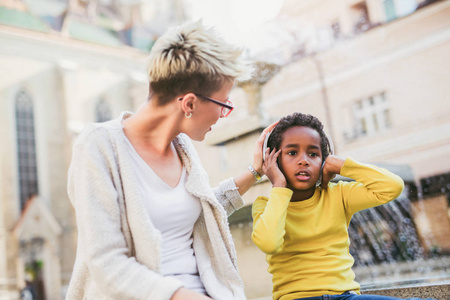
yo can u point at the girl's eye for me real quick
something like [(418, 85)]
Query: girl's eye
[(292, 152), (314, 154)]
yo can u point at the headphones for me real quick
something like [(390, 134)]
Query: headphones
[(329, 143)]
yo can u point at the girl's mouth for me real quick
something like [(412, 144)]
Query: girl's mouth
[(303, 176)]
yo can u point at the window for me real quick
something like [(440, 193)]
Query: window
[(102, 111), (395, 9), (26, 148), (371, 115), (389, 8)]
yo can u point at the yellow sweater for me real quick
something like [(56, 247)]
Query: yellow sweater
[(306, 242)]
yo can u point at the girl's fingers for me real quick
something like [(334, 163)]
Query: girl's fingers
[(277, 154), (272, 153)]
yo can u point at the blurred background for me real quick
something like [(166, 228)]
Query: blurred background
[(376, 72)]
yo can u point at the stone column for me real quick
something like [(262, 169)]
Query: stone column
[(263, 73)]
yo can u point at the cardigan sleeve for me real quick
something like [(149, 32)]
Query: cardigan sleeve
[(228, 196), (94, 195), (226, 192)]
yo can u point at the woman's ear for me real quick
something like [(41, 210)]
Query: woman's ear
[(188, 103)]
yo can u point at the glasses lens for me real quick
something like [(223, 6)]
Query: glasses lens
[(225, 111)]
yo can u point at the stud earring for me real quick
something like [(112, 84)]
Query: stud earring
[(188, 115)]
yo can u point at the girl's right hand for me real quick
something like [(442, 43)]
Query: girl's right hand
[(271, 169)]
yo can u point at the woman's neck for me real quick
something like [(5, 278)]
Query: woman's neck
[(153, 127)]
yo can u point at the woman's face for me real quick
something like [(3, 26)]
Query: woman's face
[(207, 113)]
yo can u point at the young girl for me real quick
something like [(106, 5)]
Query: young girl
[(303, 227)]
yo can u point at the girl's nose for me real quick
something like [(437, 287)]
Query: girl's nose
[(303, 161)]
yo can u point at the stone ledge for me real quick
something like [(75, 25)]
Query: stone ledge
[(438, 291)]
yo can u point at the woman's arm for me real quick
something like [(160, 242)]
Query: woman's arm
[(185, 294), (229, 191), (245, 180)]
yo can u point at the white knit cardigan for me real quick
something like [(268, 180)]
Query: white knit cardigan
[(118, 252)]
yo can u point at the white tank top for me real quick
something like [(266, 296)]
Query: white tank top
[(174, 212)]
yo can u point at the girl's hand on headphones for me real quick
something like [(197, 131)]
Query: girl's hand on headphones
[(270, 168), (331, 168), (258, 154)]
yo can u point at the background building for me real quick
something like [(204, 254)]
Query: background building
[(375, 72), (62, 64)]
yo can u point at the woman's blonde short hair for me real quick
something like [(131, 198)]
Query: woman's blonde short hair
[(192, 58)]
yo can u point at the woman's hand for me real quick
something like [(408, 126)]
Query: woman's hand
[(245, 180), (186, 294), (331, 168), (271, 169), (258, 154)]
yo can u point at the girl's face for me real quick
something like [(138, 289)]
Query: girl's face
[(208, 112), (301, 158)]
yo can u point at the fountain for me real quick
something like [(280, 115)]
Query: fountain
[(385, 234), (389, 251)]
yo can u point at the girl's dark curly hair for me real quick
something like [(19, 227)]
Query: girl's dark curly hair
[(298, 119)]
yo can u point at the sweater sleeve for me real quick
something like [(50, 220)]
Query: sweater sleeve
[(226, 192), (228, 195), (269, 217), (101, 243), (373, 186)]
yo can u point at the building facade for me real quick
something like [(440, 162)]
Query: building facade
[(61, 66), (375, 73)]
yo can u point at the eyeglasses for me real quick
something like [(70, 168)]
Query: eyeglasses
[(227, 106)]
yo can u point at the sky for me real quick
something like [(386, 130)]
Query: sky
[(239, 21)]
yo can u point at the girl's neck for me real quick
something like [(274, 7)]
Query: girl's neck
[(301, 195)]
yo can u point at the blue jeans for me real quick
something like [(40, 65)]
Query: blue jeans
[(350, 296)]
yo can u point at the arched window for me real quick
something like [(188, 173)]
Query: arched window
[(26, 147), (102, 111)]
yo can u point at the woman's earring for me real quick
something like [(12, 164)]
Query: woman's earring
[(188, 115)]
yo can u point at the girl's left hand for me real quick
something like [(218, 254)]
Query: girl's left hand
[(331, 168), (258, 154)]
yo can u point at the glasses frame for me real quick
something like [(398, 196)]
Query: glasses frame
[(228, 105)]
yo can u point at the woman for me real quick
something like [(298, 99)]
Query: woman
[(150, 227)]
